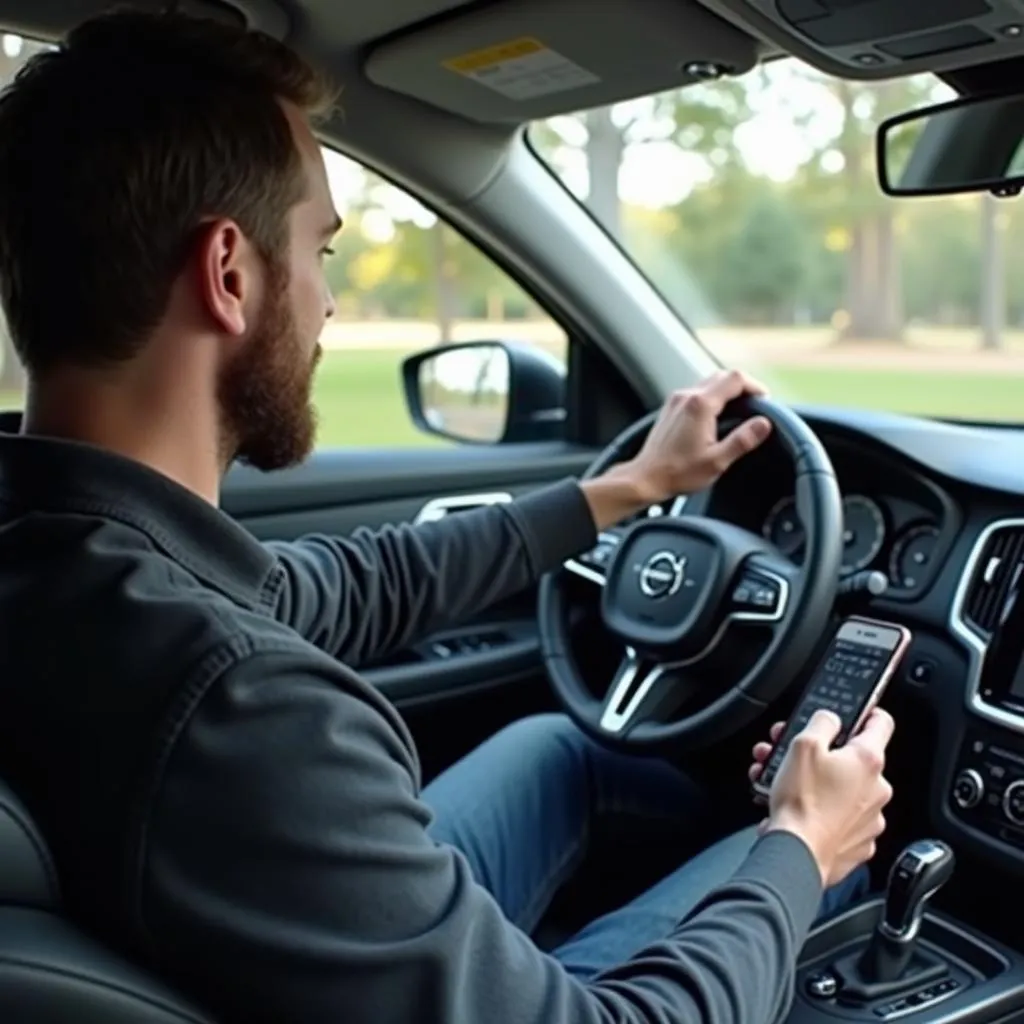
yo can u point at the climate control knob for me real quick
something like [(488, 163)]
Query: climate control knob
[(1013, 802), (968, 789)]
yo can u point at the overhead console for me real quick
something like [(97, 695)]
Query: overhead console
[(881, 38)]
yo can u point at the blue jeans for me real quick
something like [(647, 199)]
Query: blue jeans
[(520, 807)]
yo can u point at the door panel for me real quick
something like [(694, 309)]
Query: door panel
[(345, 478), (457, 688)]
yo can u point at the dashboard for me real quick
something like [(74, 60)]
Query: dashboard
[(938, 509), (897, 521), (933, 541)]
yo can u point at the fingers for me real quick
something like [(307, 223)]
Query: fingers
[(822, 730), (722, 387), (877, 731), (885, 794), (762, 751), (750, 434), (763, 748)]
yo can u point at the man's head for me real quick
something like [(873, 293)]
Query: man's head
[(160, 186)]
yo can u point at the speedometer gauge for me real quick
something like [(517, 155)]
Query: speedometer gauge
[(912, 555), (863, 533), (784, 529)]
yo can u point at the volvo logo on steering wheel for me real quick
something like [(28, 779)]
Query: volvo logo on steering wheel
[(662, 574)]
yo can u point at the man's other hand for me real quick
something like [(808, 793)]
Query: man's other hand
[(832, 798), (682, 453)]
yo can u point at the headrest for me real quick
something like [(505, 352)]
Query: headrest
[(27, 874)]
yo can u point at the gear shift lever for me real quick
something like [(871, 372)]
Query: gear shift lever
[(921, 870), (889, 963)]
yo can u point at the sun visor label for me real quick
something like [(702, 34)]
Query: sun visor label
[(522, 69)]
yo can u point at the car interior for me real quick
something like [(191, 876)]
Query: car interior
[(845, 511)]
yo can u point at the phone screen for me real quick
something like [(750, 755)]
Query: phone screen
[(849, 680)]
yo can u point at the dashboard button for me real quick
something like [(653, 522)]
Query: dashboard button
[(921, 672), (1013, 802), (969, 788)]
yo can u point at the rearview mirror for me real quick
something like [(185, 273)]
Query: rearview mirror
[(486, 392), (972, 144)]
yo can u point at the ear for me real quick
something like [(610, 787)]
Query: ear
[(227, 275)]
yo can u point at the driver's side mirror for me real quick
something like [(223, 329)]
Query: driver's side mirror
[(486, 392)]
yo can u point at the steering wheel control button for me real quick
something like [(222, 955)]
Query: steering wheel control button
[(600, 554), (756, 594), (968, 789), (823, 985), (1013, 802)]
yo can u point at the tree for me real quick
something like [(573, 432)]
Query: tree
[(446, 281), (941, 250), (701, 119), (605, 147), (841, 178), (993, 273), (764, 261)]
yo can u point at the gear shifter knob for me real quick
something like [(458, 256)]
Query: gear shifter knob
[(887, 962), (923, 868)]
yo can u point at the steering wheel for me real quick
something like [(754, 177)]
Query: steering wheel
[(676, 587)]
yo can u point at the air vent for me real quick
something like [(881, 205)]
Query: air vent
[(996, 572)]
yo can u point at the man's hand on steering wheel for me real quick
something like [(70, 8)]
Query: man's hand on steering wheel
[(682, 453)]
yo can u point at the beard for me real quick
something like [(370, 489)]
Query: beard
[(268, 419)]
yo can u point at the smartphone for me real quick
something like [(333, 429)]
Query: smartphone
[(849, 680)]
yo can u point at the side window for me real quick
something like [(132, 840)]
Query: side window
[(14, 52), (12, 376), (403, 282)]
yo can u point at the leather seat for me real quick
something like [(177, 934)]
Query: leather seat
[(50, 971)]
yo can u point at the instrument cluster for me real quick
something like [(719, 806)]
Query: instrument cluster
[(890, 535)]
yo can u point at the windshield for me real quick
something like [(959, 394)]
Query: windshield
[(753, 205)]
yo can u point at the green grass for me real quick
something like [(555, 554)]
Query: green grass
[(359, 398), (944, 394)]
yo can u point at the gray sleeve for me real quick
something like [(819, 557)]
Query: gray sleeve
[(302, 886), (359, 597)]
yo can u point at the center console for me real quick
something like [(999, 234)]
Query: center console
[(893, 957), (985, 792)]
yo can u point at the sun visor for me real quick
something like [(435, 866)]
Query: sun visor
[(519, 60)]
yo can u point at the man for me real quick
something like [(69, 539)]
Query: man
[(225, 799)]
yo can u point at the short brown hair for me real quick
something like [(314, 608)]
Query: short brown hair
[(114, 149)]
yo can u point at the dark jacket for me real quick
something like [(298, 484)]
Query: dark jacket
[(231, 804)]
